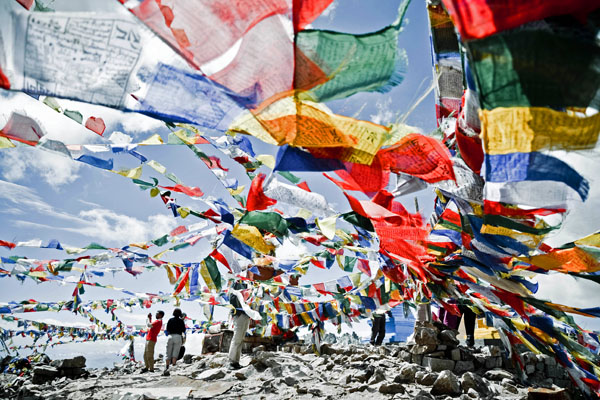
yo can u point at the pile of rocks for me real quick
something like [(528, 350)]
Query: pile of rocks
[(70, 367), (344, 372)]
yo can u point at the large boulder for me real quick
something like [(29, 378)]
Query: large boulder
[(211, 374), (425, 378), (438, 364), (43, 374), (75, 362), (407, 374), (391, 388), (448, 337), (547, 394), (446, 383), (425, 335), (498, 375), (463, 366), (470, 380)]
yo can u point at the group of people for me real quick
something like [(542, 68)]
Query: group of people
[(176, 332), (241, 322), (450, 320)]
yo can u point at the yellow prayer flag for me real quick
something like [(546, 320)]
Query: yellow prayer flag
[(303, 213), (251, 236), (5, 143), (267, 160), (327, 226), (133, 173), (591, 240), (235, 192), (158, 167), (152, 140), (528, 129)]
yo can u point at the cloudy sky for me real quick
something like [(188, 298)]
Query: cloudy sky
[(46, 196)]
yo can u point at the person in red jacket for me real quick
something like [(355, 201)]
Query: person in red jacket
[(151, 339)]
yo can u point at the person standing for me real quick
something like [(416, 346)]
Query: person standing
[(151, 338), (378, 328), (241, 322), (176, 331)]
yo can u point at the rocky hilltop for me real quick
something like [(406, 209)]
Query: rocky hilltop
[(435, 366)]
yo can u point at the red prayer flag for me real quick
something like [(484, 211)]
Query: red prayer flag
[(471, 150), (95, 125), (221, 258), (476, 19), (306, 11), (420, 156), (190, 191), (7, 244), (203, 30), (496, 208), (179, 230), (256, 198), (303, 185), (363, 266)]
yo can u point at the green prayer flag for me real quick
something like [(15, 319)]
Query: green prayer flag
[(266, 221), (349, 264), (74, 115), (289, 176), (95, 246), (179, 246), (499, 220), (358, 220), (161, 240), (353, 63), (535, 68), (65, 265), (213, 271)]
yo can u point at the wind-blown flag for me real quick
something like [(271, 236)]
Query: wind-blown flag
[(420, 156), (354, 63), (313, 126), (517, 167), (256, 197), (528, 67), (528, 129), (480, 18), (204, 30), (210, 273)]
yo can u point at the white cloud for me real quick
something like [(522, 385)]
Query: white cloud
[(291, 251), (98, 223), (139, 123), (23, 197), (107, 225), (110, 227), (20, 163), (384, 115), (120, 138)]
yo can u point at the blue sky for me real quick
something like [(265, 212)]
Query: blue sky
[(44, 196)]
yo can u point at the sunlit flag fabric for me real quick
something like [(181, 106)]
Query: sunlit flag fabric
[(506, 177), (480, 18), (524, 67)]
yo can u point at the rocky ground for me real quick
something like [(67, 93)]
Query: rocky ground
[(434, 367)]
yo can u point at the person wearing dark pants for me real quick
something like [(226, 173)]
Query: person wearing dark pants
[(378, 329), (469, 317)]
